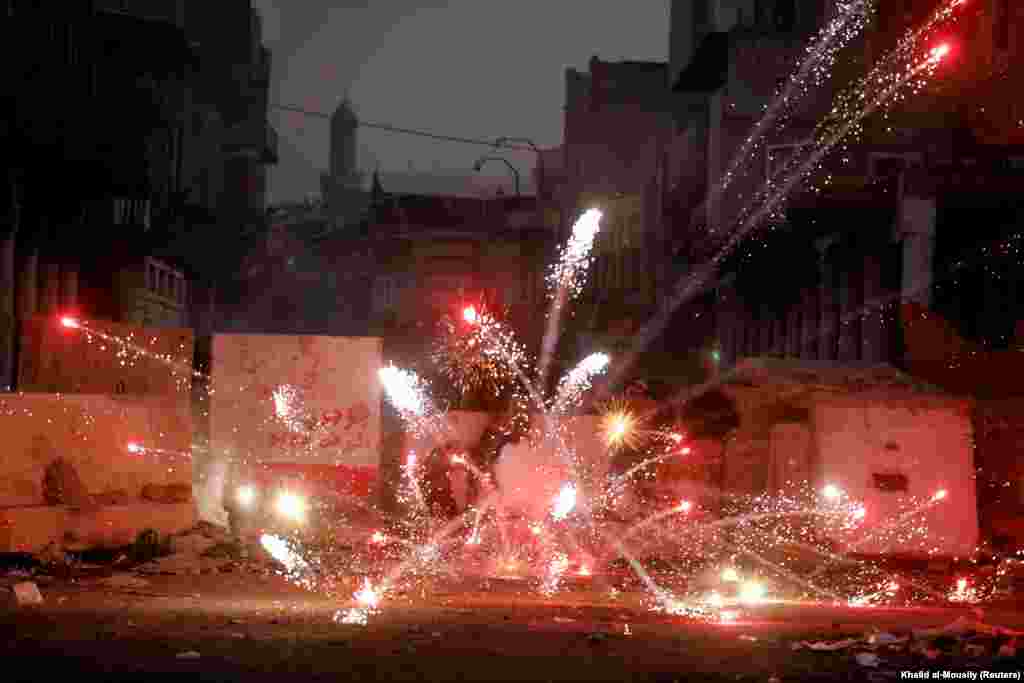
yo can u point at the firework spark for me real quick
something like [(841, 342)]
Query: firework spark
[(405, 390), (578, 380)]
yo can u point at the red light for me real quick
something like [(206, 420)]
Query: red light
[(940, 51), (69, 322), (685, 450), (469, 314)]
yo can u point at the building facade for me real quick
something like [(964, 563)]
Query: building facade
[(127, 138)]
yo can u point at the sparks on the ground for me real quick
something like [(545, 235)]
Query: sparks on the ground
[(367, 595), (70, 323), (831, 491)]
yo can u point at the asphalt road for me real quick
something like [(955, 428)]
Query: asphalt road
[(245, 627)]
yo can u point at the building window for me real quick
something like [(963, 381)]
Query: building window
[(894, 483)]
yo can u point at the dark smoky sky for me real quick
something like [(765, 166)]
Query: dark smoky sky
[(471, 68)]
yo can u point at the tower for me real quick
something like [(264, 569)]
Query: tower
[(342, 162)]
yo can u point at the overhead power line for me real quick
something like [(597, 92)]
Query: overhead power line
[(411, 131)]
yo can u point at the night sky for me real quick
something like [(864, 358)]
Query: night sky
[(472, 68)]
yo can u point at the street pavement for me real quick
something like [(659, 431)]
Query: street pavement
[(246, 626)]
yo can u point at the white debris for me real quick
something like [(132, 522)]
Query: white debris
[(26, 593)]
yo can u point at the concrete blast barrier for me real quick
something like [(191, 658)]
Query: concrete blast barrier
[(118, 446)]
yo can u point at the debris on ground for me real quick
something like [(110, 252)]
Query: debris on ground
[(124, 581), (867, 659), (827, 645), (26, 593)]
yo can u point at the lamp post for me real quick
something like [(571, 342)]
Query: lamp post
[(515, 173), (508, 141)]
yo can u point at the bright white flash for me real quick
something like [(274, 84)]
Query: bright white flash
[(564, 502), (404, 389)]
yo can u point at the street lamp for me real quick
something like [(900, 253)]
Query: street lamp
[(515, 173), (507, 141)]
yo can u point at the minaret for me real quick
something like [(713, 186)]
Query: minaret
[(342, 164)]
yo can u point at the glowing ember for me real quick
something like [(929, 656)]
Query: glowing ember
[(685, 450), (684, 506), (291, 506), (564, 502), (135, 448), (70, 323), (939, 495), (939, 52), (831, 492), (469, 315), (619, 428), (378, 538), (367, 596), (752, 592), (245, 495)]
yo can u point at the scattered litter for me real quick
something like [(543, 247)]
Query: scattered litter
[(26, 593), (867, 659), (190, 654)]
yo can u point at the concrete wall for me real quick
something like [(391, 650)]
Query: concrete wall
[(929, 440), (330, 416), (106, 358), (92, 433)]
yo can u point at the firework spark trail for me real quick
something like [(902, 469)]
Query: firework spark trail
[(688, 287), (886, 526), (849, 21), (566, 281), (433, 542), (578, 380), (176, 365), (785, 573)]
